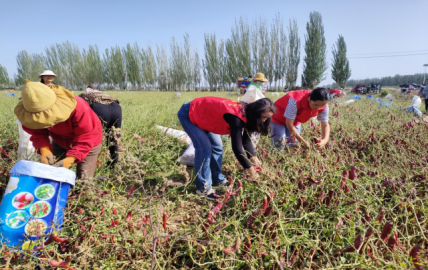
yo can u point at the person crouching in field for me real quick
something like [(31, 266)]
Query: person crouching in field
[(295, 108), (75, 129), (109, 111), (205, 119)]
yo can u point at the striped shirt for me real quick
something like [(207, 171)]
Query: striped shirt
[(291, 111)]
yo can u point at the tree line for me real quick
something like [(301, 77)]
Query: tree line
[(396, 80), (269, 47)]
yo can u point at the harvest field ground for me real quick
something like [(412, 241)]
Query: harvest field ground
[(360, 203)]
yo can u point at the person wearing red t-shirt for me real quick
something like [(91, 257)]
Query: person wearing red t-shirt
[(205, 119), (295, 108)]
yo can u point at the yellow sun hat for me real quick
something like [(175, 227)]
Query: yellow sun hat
[(42, 107), (260, 77)]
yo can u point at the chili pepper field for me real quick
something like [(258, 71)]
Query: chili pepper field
[(360, 203)]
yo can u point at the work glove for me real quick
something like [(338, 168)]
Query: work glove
[(46, 155), (66, 162)]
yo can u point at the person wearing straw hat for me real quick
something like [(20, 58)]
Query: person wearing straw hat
[(257, 82), (75, 129)]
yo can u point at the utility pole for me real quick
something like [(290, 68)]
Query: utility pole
[(425, 65)]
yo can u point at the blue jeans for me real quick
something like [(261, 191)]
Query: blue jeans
[(208, 151), (280, 135)]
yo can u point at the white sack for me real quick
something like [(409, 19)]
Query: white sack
[(176, 133), (416, 102), (188, 157), (252, 95), (26, 149)]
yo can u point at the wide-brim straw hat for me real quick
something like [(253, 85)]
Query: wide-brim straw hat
[(260, 77), (47, 72), (42, 106)]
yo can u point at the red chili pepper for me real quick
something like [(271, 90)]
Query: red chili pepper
[(312, 180), (237, 190), (131, 190), (357, 243), (322, 197), (59, 240), (91, 227), (329, 197), (114, 223), (85, 219), (353, 173), (268, 210), (414, 253), (102, 210), (234, 247), (82, 227), (142, 222), (80, 210), (164, 221), (387, 228), (114, 211), (393, 241), (128, 217), (265, 204), (366, 238), (62, 264), (218, 228), (349, 203), (247, 245)]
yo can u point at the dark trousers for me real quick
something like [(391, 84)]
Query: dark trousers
[(426, 104), (111, 116)]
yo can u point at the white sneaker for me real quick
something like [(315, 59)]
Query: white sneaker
[(207, 193)]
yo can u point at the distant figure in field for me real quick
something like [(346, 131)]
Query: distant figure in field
[(109, 111), (257, 82)]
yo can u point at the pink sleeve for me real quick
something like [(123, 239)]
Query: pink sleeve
[(85, 134)]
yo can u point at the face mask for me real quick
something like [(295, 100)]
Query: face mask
[(259, 83)]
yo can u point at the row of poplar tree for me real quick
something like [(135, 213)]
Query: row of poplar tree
[(271, 48), (418, 78)]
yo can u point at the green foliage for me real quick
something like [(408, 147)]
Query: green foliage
[(340, 71), (293, 56), (383, 94), (314, 63), (211, 62), (390, 80), (4, 77)]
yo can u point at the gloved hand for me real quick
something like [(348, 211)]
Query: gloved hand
[(46, 155), (66, 162)]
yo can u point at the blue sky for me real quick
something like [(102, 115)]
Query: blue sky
[(369, 27)]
